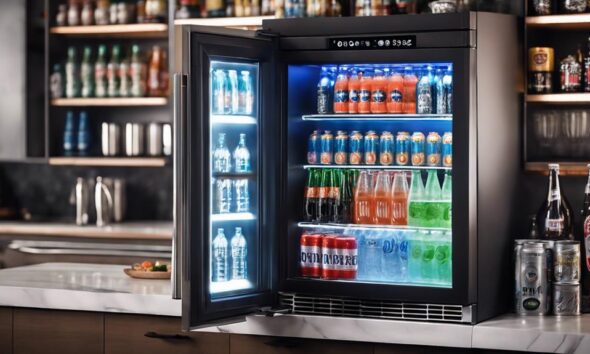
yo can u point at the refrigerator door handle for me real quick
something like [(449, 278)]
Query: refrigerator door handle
[(179, 112)]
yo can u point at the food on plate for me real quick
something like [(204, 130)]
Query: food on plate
[(148, 266)]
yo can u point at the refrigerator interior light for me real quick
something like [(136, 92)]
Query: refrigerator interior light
[(232, 285), (233, 217), (233, 119)]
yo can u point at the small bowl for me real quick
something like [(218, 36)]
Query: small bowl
[(443, 6)]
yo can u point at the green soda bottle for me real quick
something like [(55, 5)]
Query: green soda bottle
[(427, 267), (113, 74), (87, 73), (443, 259), (100, 72), (434, 209), (447, 200), (416, 205)]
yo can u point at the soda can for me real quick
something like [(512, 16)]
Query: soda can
[(347, 254), (341, 148), (326, 148), (418, 149), (330, 269), (566, 269), (433, 149), (310, 260), (447, 149), (313, 148), (386, 149), (532, 284), (566, 299), (371, 142), (355, 147), (402, 148)]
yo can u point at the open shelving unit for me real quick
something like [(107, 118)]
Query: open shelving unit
[(135, 30), (574, 21), (110, 102), (109, 161)]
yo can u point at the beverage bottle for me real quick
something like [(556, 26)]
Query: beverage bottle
[(584, 239), (435, 80), (395, 88), (409, 93), (324, 93), (73, 13), (370, 254), (114, 80), (221, 156), (100, 72), (341, 91), (86, 14), (154, 73), (234, 93), (125, 78), (442, 258), (246, 93), (223, 195), (336, 196), (242, 156), (365, 88), (187, 9), (439, 105), (215, 8), (239, 253), (415, 252), (424, 93), (427, 266), (230, 8), (416, 203), (533, 228), (69, 142), (555, 215), (83, 134), (138, 76), (219, 257), (311, 194), (399, 199), (363, 199), (326, 196), (390, 257), (242, 195), (382, 199), (434, 208), (354, 86), (56, 82), (218, 92), (378, 92), (72, 75), (447, 200), (344, 204), (448, 90), (87, 73)]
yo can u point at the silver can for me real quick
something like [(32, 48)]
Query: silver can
[(566, 299), (154, 139), (134, 139), (531, 284), (566, 269)]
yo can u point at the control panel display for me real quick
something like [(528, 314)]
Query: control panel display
[(384, 42)]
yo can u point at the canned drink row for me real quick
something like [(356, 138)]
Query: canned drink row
[(328, 256), (386, 149)]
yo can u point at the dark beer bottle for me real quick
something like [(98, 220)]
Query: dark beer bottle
[(584, 238), (342, 211), (555, 215), (311, 195), (325, 197)]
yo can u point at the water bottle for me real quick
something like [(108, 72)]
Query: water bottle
[(221, 156), (223, 195), (242, 195), (242, 156), (443, 259), (83, 134), (239, 251), (435, 79), (246, 93), (448, 88), (403, 249), (434, 209), (370, 255), (391, 262), (415, 256), (440, 93), (416, 204), (447, 201), (69, 135), (234, 93), (424, 93), (323, 92), (219, 258), (427, 268), (217, 92)]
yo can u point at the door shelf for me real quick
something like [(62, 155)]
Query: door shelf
[(231, 285), (233, 119), (576, 21), (378, 117), (133, 30), (394, 228), (574, 98), (250, 21), (232, 217), (110, 101), (377, 167), (565, 168), (382, 281), (233, 175), (109, 161)]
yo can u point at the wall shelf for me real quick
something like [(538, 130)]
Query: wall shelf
[(136, 30), (109, 161), (565, 168), (110, 101), (574, 98), (577, 21), (240, 22)]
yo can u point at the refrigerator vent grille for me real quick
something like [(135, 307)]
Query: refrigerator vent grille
[(350, 307)]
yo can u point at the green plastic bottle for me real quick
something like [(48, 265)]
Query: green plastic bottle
[(416, 203), (447, 200), (434, 208)]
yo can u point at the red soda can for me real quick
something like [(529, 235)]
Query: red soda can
[(310, 261), (347, 257), (330, 259), (371, 142)]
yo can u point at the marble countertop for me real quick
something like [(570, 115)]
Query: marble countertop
[(85, 287)]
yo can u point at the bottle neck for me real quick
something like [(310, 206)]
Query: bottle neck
[(554, 190), (587, 189)]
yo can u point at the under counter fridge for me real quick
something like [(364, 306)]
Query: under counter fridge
[(357, 167)]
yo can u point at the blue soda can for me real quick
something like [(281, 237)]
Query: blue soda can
[(418, 148), (433, 149), (355, 155), (326, 148), (447, 149), (371, 142), (313, 148), (402, 148), (386, 149), (341, 148)]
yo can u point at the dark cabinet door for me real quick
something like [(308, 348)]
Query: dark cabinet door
[(5, 330), (243, 344), (59, 332)]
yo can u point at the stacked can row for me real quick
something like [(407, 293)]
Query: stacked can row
[(386, 150)]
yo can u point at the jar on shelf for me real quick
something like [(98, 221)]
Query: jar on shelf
[(73, 13), (62, 15), (541, 66), (540, 8), (573, 6), (570, 74)]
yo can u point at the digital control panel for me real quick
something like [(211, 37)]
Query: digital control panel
[(383, 42)]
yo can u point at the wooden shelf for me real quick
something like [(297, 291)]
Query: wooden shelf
[(565, 168), (575, 98), (240, 22), (130, 30), (111, 101), (578, 21), (109, 161)]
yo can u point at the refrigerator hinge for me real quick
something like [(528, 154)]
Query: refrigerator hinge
[(274, 311)]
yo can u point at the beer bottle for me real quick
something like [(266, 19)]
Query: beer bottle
[(584, 238), (344, 202), (114, 80), (555, 215), (100, 72), (72, 75), (87, 73), (311, 195), (325, 194), (153, 86)]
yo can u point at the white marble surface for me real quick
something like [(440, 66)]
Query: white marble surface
[(85, 287)]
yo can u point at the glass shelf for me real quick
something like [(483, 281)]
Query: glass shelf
[(378, 167), (429, 284), (232, 119), (402, 228), (232, 285), (233, 174), (378, 117), (233, 217)]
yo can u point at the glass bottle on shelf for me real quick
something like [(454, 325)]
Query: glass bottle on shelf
[(416, 203), (424, 93), (69, 142), (584, 239), (221, 156), (246, 93), (433, 193), (363, 213), (555, 215), (72, 74), (311, 195), (100, 72), (234, 99), (114, 80), (83, 134), (239, 253), (62, 15), (215, 8), (343, 204), (242, 156), (382, 199), (73, 13), (447, 200), (87, 73), (220, 257), (87, 13), (56, 82), (101, 13), (399, 199), (138, 76), (218, 92), (188, 9), (154, 84)]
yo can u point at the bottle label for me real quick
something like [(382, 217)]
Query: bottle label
[(554, 225), (310, 192), (586, 244), (353, 95), (323, 192), (396, 96), (365, 96), (341, 96), (555, 195), (378, 96)]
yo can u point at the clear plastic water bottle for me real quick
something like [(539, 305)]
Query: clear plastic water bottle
[(246, 93), (370, 253), (403, 249), (223, 195), (424, 93), (416, 204), (242, 195), (83, 134), (234, 92), (415, 257), (218, 92), (440, 93), (391, 262), (239, 252), (221, 156), (448, 88), (219, 257), (242, 156)]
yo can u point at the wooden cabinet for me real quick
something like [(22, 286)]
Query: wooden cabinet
[(129, 334), (5, 330), (59, 332), (244, 344), (414, 349)]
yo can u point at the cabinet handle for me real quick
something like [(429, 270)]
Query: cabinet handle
[(152, 334), (283, 343)]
